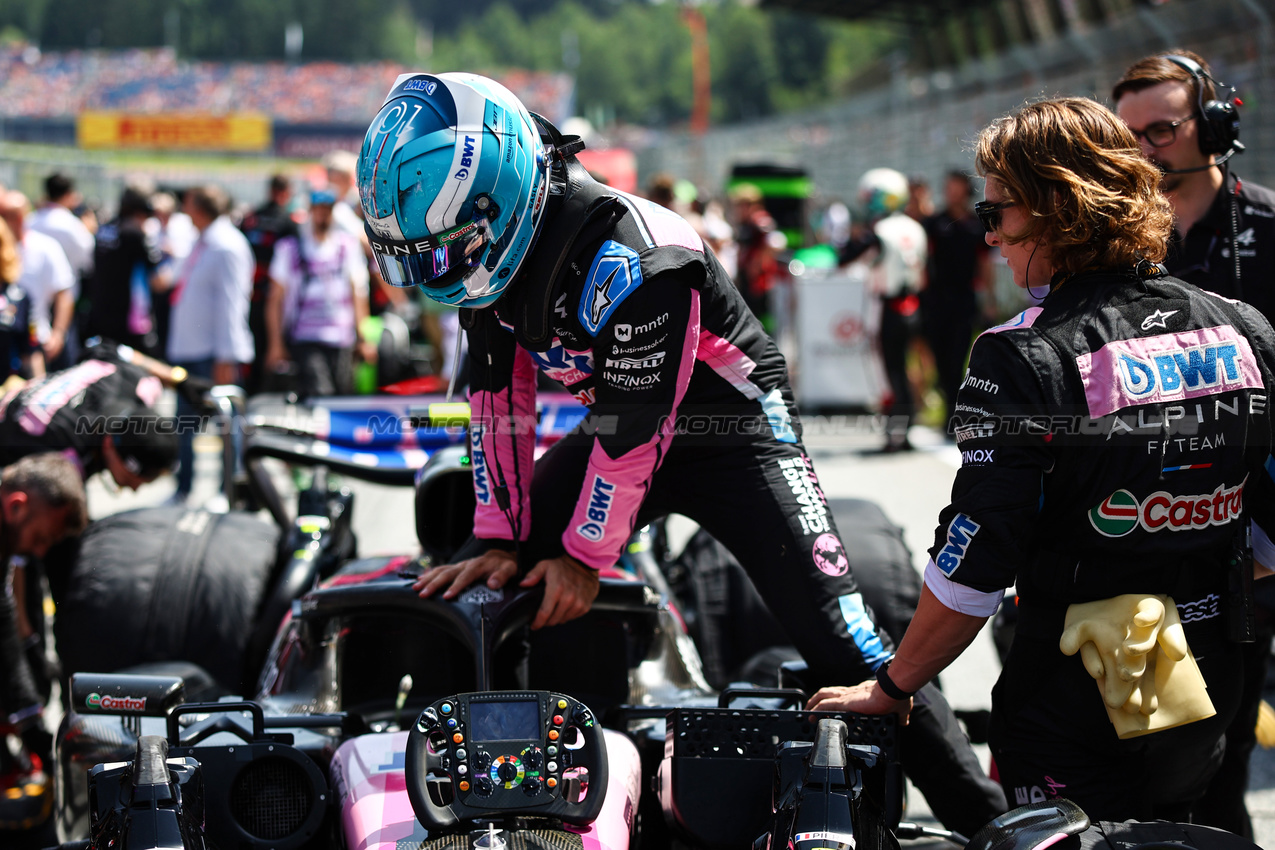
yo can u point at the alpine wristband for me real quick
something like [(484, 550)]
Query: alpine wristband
[(886, 684)]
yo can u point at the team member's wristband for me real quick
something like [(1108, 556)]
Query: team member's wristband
[(886, 684)]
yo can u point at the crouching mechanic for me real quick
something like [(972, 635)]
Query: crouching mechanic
[(100, 413), (486, 208), (41, 502)]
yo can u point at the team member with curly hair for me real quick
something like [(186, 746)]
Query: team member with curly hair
[(1113, 444)]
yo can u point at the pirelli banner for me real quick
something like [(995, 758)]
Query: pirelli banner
[(116, 130)]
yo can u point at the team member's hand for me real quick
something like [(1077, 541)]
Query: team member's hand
[(570, 588), (495, 567), (863, 698)]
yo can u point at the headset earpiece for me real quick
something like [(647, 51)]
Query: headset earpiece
[(1219, 121)]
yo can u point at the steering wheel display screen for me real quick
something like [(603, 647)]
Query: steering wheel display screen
[(504, 720)]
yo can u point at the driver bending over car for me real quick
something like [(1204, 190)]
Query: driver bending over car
[(1116, 442), (41, 502), (484, 207)]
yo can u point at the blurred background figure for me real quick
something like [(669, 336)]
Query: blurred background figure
[(119, 293), (756, 238), (47, 278), (898, 244), (959, 269), (208, 334), (265, 227), (318, 300), (920, 205), (175, 234), (21, 355), (60, 216), (661, 190)]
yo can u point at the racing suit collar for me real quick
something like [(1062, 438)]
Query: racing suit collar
[(585, 209)]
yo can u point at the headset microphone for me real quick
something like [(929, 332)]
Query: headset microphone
[(1236, 147)]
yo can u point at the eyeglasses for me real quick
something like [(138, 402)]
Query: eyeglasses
[(989, 213), (1161, 134)]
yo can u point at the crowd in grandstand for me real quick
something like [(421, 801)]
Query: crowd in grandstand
[(34, 84)]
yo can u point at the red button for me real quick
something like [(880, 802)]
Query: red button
[(557, 719), (458, 737), (553, 734), (551, 782), (464, 786)]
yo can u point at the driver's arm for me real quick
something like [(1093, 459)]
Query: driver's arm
[(639, 384), (502, 430)]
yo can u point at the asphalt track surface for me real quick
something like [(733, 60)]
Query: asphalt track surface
[(911, 487)]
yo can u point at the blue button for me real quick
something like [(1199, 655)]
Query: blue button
[(446, 708), (451, 723)]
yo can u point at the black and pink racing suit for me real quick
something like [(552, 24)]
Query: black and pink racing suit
[(690, 413)]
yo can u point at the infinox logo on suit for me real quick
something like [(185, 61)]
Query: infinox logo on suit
[(1122, 512), (1167, 368)]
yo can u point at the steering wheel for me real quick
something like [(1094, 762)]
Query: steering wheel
[(502, 753)]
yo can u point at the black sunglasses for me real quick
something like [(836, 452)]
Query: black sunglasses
[(989, 213), (1162, 134)]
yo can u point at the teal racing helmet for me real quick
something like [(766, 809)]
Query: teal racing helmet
[(453, 178)]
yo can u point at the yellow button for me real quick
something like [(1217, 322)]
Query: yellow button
[(458, 737), (464, 786), (562, 703), (551, 782), (553, 734)]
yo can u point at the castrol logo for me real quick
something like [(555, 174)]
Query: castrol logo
[(110, 703)]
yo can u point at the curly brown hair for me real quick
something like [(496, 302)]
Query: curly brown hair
[(1078, 173)]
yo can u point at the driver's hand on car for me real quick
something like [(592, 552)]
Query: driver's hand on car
[(570, 587)]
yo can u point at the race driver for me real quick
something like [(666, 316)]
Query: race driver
[(484, 207)]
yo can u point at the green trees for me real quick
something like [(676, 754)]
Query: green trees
[(631, 58)]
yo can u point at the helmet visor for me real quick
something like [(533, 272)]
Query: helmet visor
[(436, 261)]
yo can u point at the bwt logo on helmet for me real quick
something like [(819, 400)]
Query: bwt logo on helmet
[(599, 510), (427, 86), (466, 159), (109, 703), (1121, 512), (960, 531)]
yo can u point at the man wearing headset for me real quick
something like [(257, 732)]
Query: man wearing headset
[(484, 207), (1223, 241)]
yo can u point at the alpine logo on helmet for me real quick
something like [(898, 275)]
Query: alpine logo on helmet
[(452, 176)]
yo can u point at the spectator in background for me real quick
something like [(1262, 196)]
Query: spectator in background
[(959, 265), (898, 244), (21, 356), (175, 234), (209, 334), (341, 166), (757, 238), (265, 227), (121, 302), (318, 299), (920, 205), (661, 190), (46, 277), (57, 217)]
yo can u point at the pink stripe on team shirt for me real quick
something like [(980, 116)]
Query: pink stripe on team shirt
[(1167, 367), (56, 391), (1024, 319), (665, 226), (615, 487), (729, 362)]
